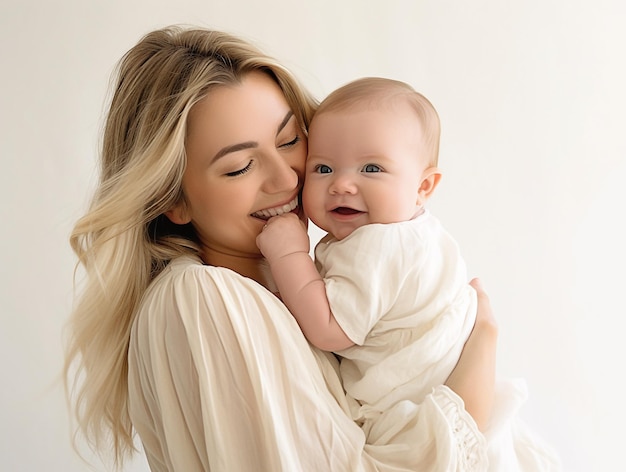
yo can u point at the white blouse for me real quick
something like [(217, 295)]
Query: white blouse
[(222, 379)]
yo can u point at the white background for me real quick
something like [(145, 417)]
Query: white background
[(532, 99)]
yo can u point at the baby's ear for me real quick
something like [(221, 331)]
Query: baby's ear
[(430, 179), (178, 214)]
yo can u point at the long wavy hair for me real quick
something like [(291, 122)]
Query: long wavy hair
[(124, 240)]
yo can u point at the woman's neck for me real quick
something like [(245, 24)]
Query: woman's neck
[(251, 266)]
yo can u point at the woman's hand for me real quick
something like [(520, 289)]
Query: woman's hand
[(473, 378)]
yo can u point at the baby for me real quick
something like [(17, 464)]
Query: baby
[(388, 291)]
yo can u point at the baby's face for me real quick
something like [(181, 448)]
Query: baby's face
[(364, 166)]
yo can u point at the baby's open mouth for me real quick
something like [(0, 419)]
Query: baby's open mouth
[(267, 213), (346, 211)]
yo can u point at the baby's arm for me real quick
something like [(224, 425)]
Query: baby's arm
[(285, 244)]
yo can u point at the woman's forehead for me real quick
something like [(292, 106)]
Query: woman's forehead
[(251, 110), (255, 97)]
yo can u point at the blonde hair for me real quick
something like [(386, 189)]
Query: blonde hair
[(124, 240), (376, 92)]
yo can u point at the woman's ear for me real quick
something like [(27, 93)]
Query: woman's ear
[(430, 179), (178, 214)]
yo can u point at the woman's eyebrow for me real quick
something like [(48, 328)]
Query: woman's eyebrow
[(234, 148), (284, 122)]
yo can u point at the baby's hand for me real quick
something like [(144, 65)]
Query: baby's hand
[(283, 235)]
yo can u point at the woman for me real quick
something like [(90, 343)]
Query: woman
[(177, 333)]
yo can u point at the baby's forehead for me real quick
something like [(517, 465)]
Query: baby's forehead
[(376, 99), (392, 109)]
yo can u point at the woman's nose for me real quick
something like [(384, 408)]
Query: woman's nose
[(342, 184), (280, 176)]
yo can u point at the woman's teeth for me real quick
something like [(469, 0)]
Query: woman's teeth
[(269, 212)]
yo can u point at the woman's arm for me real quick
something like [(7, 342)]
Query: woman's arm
[(473, 378)]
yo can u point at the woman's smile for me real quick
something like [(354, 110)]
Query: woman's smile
[(267, 213)]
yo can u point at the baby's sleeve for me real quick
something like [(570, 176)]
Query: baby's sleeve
[(363, 276)]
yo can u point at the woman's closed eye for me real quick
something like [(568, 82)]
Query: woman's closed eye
[(241, 171), (291, 143)]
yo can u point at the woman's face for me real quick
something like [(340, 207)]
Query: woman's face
[(245, 162)]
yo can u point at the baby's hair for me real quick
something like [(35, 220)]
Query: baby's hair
[(376, 92)]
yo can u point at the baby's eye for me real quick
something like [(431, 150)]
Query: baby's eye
[(372, 168), (323, 169)]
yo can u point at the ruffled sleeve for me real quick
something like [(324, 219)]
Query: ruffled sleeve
[(438, 435), (471, 446)]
